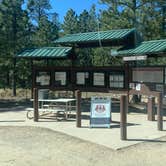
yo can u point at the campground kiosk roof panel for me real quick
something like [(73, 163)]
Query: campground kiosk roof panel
[(146, 47), (46, 52), (104, 38)]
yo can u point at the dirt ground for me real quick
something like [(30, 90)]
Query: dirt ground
[(34, 146)]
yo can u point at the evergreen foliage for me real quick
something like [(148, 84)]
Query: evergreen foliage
[(70, 24), (35, 25), (20, 28)]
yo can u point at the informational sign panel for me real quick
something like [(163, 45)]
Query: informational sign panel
[(138, 87), (60, 78), (116, 80), (84, 79), (43, 78), (98, 79), (100, 112), (135, 58), (81, 78), (148, 75)]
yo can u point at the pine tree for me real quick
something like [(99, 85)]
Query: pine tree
[(144, 15), (70, 24), (13, 31), (88, 22), (84, 21), (45, 24), (93, 19), (38, 9), (46, 33)]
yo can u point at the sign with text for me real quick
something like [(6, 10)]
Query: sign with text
[(100, 112), (135, 58), (98, 79), (147, 74), (81, 78), (43, 78), (60, 78)]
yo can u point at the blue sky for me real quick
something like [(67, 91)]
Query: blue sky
[(62, 6)]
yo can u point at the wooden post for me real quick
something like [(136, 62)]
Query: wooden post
[(123, 117), (35, 105), (151, 108), (33, 79), (72, 72), (127, 78), (160, 113), (78, 105)]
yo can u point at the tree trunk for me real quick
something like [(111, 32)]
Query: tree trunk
[(8, 78), (14, 77)]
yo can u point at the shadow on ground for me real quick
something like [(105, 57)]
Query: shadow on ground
[(14, 105), (147, 140), (133, 108)]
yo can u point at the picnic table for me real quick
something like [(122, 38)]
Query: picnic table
[(56, 106)]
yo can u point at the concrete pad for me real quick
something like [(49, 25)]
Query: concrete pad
[(138, 130)]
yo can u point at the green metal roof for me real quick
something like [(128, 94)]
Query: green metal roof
[(146, 47), (45, 52), (92, 37)]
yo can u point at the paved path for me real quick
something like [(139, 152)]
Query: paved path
[(138, 130)]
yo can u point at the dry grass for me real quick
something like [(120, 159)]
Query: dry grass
[(26, 94), (21, 94)]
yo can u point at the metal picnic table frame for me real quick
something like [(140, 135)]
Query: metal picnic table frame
[(65, 106)]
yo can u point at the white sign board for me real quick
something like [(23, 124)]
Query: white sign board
[(147, 74), (43, 78), (135, 58), (61, 77), (100, 112), (98, 79), (80, 78), (138, 87)]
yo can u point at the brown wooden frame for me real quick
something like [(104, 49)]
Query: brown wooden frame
[(146, 91), (71, 74)]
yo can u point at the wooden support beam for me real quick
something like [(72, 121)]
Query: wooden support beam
[(78, 105), (160, 113), (33, 78), (123, 117), (35, 105), (151, 108)]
